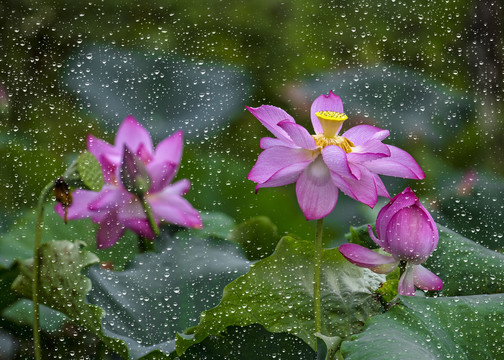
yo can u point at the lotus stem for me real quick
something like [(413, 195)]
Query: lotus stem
[(316, 277)]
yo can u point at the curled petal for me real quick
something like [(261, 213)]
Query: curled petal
[(426, 280), (274, 159), (328, 102), (399, 164), (361, 134), (270, 116), (406, 282), (299, 135), (132, 134), (316, 193), (376, 240), (364, 257)]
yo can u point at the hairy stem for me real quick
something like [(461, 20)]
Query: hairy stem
[(36, 269)]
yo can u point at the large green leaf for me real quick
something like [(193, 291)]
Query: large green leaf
[(161, 294), (277, 293), (64, 288), (466, 327), (470, 203), (249, 343), (465, 267), (173, 93)]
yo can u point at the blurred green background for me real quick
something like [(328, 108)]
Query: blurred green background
[(429, 71)]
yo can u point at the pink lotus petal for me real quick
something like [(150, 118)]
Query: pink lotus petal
[(108, 156), (109, 197), (144, 154), (140, 227), (175, 209), (79, 208), (132, 134), (98, 147), (180, 187), (426, 280), (399, 164), (336, 160), (315, 191), (270, 116), (170, 149), (364, 257), (364, 189), (132, 209), (161, 174), (404, 199), (411, 235), (285, 176), (406, 282), (267, 142), (274, 159), (371, 150), (299, 135), (328, 102), (361, 134), (109, 232)]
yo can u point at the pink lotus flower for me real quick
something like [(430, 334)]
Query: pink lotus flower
[(323, 163), (406, 231), (117, 209)]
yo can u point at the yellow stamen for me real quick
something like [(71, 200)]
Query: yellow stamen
[(322, 141), (331, 121)]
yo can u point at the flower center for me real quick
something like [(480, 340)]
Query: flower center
[(322, 141), (331, 122)]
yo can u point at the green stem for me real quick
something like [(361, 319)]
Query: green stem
[(145, 245), (36, 269), (150, 215), (317, 305)]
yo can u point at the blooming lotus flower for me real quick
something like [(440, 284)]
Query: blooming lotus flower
[(405, 230), (321, 164), (117, 206)]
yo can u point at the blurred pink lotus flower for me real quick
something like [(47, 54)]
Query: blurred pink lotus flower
[(321, 164), (405, 230), (117, 209)]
